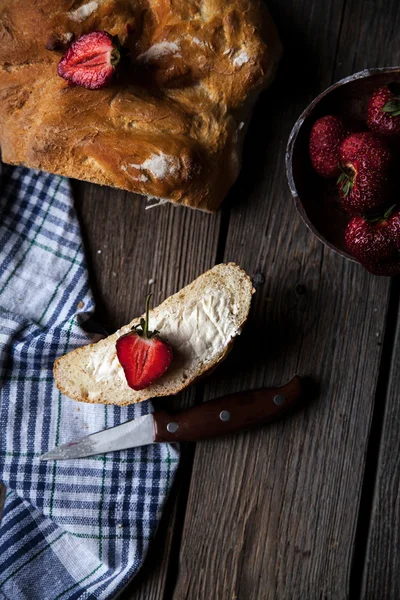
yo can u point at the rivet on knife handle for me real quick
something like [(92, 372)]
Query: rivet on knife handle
[(228, 414)]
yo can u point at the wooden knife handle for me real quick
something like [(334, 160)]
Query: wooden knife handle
[(228, 414)]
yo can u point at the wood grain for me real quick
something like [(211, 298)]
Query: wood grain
[(382, 562), (127, 247), (272, 514)]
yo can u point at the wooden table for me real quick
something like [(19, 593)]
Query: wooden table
[(307, 508)]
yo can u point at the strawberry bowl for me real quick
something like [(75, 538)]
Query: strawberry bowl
[(316, 198)]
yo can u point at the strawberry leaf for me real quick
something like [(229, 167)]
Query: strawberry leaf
[(346, 187), (345, 182), (392, 107)]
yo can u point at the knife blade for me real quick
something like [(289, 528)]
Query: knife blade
[(226, 415)]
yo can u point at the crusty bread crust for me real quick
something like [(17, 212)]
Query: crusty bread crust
[(70, 370), (170, 126)]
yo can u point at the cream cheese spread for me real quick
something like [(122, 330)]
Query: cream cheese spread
[(103, 363)]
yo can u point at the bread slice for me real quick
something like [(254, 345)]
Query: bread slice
[(200, 322)]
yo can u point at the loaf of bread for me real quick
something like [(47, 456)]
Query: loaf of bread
[(200, 323), (170, 126)]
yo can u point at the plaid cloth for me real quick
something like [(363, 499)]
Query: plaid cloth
[(70, 529)]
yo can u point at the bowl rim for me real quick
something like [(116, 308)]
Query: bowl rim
[(365, 73)]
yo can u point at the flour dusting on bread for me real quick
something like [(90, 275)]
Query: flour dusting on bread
[(241, 59), (159, 49), (84, 11), (159, 165)]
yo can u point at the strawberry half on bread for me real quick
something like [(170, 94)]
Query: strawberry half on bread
[(143, 355), (197, 326), (91, 61)]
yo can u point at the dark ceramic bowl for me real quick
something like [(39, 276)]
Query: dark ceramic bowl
[(314, 196)]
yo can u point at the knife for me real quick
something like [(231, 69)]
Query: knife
[(225, 415)]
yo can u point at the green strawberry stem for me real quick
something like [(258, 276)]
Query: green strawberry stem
[(389, 211), (146, 323), (142, 329), (375, 218)]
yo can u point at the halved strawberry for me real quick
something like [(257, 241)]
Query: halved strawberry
[(142, 354), (91, 61)]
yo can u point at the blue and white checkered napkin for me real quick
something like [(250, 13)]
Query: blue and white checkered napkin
[(70, 529)]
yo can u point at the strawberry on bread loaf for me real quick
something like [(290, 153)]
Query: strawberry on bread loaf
[(199, 323)]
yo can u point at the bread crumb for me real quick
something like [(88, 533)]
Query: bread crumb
[(151, 281), (80, 304)]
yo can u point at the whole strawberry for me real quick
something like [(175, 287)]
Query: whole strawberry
[(384, 110), (143, 355), (363, 183), (376, 242), (91, 61), (326, 136)]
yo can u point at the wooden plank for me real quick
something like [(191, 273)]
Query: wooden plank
[(378, 531), (171, 246), (128, 246), (381, 578), (273, 513)]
